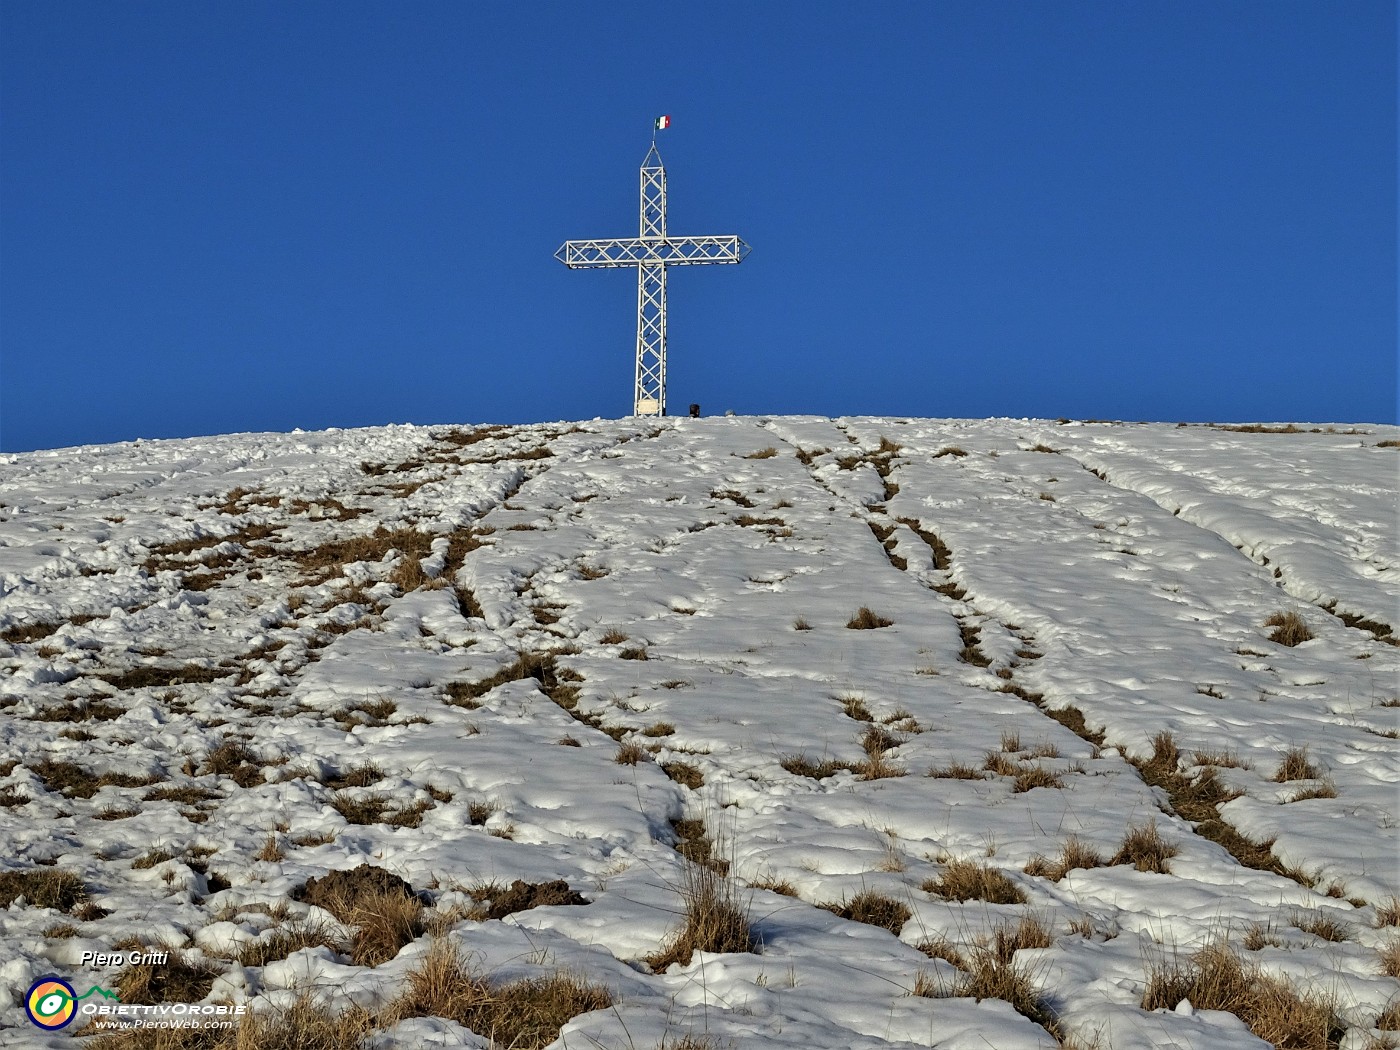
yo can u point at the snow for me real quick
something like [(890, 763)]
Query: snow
[(1122, 570)]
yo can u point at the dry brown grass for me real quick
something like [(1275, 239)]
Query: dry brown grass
[(1073, 854), (875, 742), (949, 450), (42, 888), (684, 773), (991, 972), (235, 760), (1389, 953), (630, 753), (9, 798), (873, 909), (1035, 777), (383, 908), (801, 624), (183, 978), (763, 453), (1289, 629), (1295, 766), (80, 709), (1146, 850), (1388, 913), (151, 858), (854, 707), (73, 780), (188, 795), (378, 808), (802, 766), (288, 939), (521, 1015), (957, 771), (964, 880), (1000, 763), (539, 666), (1321, 924), (866, 620), (1215, 978), (716, 920), (693, 843), (1324, 789), (25, 633), (330, 558)]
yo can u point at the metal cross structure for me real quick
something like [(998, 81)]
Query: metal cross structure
[(652, 252)]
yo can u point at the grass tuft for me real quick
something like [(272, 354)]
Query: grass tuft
[(383, 908), (1295, 766), (965, 880), (873, 909), (1289, 629), (865, 620), (716, 920), (1146, 850), (521, 1015), (1215, 978), (42, 888)]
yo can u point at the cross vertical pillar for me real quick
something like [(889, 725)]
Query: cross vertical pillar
[(652, 252), (649, 388)]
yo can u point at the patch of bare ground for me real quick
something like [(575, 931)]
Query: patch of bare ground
[(329, 559), (971, 653), (684, 773), (25, 633), (235, 760), (1197, 800), (693, 843), (152, 677), (802, 766), (522, 896), (73, 780), (1216, 978), (80, 709), (1381, 632), (384, 909), (521, 1015), (716, 919), (185, 977), (379, 808), (539, 666), (884, 535), (42, 888)]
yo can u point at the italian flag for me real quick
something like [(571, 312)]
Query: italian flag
[(662, 122)]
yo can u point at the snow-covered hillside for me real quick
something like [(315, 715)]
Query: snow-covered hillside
[(990, 726)]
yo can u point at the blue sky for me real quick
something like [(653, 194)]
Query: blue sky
[(259, 216)]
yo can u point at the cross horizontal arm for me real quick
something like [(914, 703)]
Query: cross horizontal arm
[(652, 251)]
